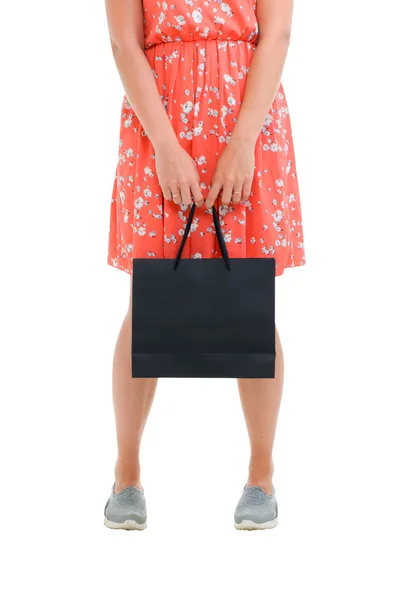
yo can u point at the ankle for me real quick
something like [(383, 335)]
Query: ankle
[(261, 474), (126, 474), (120, 484), (265, 483)]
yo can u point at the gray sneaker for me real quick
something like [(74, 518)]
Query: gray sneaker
[(255, 509), (126, 510)]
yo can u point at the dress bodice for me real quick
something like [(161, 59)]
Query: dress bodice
[(194, 20)]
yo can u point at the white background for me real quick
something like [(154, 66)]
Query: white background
[(61, 307)]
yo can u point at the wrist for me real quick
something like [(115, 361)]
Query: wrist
[(244, 139), (167, 144)]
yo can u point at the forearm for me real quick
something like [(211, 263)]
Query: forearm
[(263, 82), (141, 90)]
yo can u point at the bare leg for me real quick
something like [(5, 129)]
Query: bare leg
[(260, 400), (132, 400)]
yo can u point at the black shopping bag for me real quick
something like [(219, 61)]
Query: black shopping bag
[(203, 317)]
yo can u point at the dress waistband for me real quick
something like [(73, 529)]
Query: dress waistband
[(199, 41)]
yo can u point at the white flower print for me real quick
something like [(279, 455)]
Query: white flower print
[(139, 202), (278, 216), (187, 107), (205, 32), (180, 19), (226, 8), (229, 79), (197, 16), (198, 130)]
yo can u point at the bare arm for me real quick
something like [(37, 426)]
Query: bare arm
[(235, 167), (267, 64), (125, 21), (176, 170)]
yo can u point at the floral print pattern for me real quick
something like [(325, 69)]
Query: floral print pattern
[(200, 52)]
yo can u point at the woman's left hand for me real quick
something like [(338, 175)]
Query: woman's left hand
[(233, 173)]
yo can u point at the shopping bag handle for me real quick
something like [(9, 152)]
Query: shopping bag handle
[(219, 235)]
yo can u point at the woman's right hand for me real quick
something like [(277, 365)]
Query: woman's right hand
[(177, 174)]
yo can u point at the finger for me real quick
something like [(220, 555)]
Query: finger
[(246, 189), (237, 194), (213, 194), (186, 196), (166, 193), (227, 193), (176, 194), (197, 195)]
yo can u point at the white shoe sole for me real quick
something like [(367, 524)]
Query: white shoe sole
[(251, 525), (129, 524)]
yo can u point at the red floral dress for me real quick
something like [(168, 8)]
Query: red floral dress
[(200, 52)]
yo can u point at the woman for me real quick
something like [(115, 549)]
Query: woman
[(205, 120)]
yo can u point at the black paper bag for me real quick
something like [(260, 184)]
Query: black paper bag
[(203, 317)]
